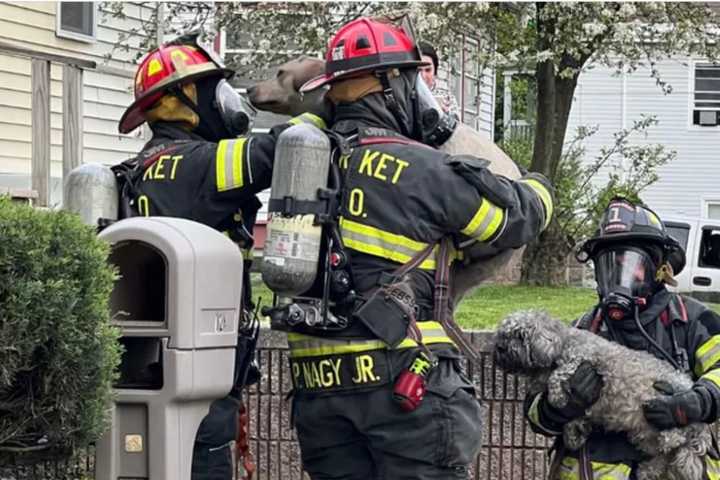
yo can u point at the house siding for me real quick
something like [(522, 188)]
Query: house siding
[(107, 90), (614, 101)]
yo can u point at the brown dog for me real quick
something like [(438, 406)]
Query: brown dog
[(281, 95)]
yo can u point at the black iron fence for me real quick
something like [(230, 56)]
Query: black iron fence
[(510, 450)]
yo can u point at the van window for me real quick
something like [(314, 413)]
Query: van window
[(679, 232), (709, 255)]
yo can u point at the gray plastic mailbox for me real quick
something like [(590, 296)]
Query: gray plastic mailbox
[(177, 305)]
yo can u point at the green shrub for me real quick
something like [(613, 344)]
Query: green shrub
[(58, 352)]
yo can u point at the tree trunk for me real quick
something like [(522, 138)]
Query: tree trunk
[(545, 123), (545, 260)]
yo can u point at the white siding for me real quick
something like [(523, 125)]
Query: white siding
[(107, 91), (484, 120), (615, 101)]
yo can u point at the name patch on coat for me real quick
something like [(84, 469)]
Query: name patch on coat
[(340, 372)]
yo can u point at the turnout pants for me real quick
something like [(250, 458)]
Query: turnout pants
[(364, 435), (214, 450)]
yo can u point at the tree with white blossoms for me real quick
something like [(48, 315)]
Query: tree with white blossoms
[(555, 41)]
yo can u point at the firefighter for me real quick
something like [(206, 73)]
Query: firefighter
[(200, 164), (634, 260), (354, 416)]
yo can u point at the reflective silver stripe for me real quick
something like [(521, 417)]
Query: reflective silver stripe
[(248, 163), (230, 166), (383, 244), (486, 221), (348, 234)]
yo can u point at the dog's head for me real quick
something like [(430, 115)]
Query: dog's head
[(281, 94), (527, 341)]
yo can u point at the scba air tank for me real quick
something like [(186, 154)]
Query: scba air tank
[(90, 190), (292, 247)]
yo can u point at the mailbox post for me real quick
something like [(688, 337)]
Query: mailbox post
[(177, 305)]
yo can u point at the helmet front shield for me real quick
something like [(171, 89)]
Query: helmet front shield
[(629, 270)]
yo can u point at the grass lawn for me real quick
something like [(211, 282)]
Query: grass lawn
[(489, 304)]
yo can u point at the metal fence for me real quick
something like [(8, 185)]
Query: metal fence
[(510, 450), (80, 467)]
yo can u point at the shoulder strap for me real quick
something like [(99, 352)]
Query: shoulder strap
[(443, 301), (676, 309)]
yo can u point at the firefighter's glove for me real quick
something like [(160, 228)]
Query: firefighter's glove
[(673, 410), (582, 390)]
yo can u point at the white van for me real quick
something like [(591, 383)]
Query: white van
[(700, 237)]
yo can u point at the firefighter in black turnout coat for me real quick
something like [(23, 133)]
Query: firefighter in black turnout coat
[(634, 258), (201, 165), (400, 197)]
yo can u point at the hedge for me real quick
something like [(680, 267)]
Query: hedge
[(58, 351)]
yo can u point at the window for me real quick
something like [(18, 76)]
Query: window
[(679, 231), (713, 210), (77, 21), (709, 256), (466, 78), (706, 100)]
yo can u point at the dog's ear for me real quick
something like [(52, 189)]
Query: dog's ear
[(546, 340)]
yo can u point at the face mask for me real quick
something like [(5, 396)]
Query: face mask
[(625, 278), (437, 126), (236, 112), (223, 112)]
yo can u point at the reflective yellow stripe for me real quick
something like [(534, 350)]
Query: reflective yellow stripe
[(485, 222), (237, 162), (380, 243), (307, 117), (713, 376), (713, 468), (220, 166), (707, 355), (545, 197), (610, 471), (308, 346), (570, 470), (534, 415), (229, 164)]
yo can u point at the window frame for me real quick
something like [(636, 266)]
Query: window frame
[(706, 202), (693, 65), (459, 72), (70, 35)]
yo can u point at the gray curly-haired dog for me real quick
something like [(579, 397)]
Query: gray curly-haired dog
[(534, 344)]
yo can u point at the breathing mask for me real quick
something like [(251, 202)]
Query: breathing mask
[(625, 279), (236, 111), (223, 112), (437, 125)]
